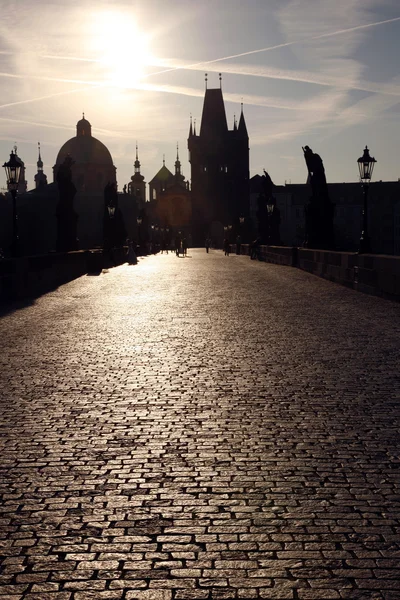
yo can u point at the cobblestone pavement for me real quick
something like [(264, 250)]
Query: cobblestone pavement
[(201, 428)]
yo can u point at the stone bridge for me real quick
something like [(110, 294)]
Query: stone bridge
[(205, 427)]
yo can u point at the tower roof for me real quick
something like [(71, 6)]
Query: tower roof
[(213, 120), (164, 174), (242, 129)]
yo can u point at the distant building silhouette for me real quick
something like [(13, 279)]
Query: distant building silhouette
[(383, 208), (170, 199), (219, 160)]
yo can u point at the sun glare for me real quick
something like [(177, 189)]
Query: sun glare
[(120, 47)]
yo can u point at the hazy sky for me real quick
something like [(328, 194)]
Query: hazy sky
[(313, 72)]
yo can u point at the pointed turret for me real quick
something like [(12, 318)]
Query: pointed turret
[(177, 162), (137, 162), (40, 177), (242, 129), (191, 128)]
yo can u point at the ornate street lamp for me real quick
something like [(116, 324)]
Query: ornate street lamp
[(139, 221), (241, 220), (366, 165), (111, 211), (270, 212), (270, 207), (13, 170)]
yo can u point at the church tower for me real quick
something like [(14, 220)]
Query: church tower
[(40, 177), (219, 160), (137, 184)]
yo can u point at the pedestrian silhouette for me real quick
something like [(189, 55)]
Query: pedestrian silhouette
[(226, 247)]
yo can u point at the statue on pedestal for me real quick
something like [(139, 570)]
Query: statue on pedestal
[(319, 211)]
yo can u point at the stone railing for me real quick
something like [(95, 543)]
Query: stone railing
[(375, 274), (31, 276)]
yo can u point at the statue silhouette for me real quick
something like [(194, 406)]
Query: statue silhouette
[(319, 211)]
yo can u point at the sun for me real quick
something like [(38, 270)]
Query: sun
[(121, 49)]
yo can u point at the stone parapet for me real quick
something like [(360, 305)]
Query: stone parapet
[(375, 274), (31, 276)]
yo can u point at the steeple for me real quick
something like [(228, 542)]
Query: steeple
[(137, 162), (242, 129), (234, 123), (39, 162), (191, 127), (137, 186), (40, 177), (177, 162)]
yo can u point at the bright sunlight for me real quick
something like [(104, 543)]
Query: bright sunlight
[(119, 46)]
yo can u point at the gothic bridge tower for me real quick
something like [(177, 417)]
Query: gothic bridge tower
[(219, 160)]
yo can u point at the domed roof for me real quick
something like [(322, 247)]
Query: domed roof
[(85, 150)]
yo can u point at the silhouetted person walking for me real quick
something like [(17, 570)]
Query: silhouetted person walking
[(177, 245), (226, 247)]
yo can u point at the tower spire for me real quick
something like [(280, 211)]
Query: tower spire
[(177, 162), (220, 81), (40, 177), (191, 127), (242, 129), (206, 78), (39, 162), (137, 162)]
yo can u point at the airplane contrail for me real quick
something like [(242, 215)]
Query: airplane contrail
[(286, 44), (29, 100)]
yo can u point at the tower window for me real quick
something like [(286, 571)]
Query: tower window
[(154, 194)]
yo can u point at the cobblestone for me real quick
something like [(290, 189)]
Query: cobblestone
[(201, 428)]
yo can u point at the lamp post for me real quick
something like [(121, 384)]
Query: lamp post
[(366, 165), (13, 170), (270, 212)]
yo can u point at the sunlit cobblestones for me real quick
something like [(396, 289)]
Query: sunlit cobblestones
[(201, 428)]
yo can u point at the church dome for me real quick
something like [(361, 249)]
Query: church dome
[(92, 164), (85, 150)]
